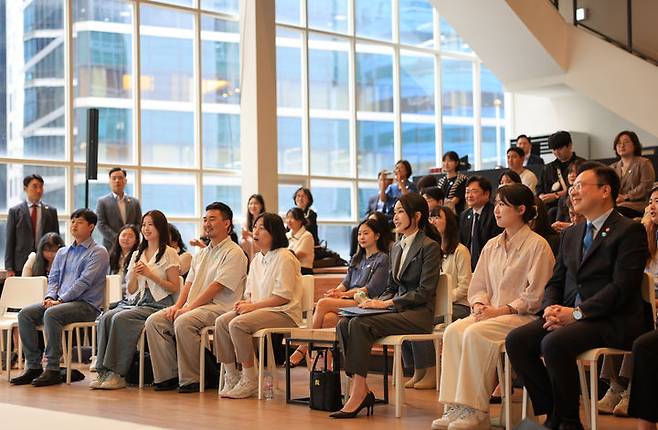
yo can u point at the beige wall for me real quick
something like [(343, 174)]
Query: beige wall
[(535, 115)]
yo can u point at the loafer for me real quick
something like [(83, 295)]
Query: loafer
[(189, 388), (48, 377), (168, 385), (27, 377)]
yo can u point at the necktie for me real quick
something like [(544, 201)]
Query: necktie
[(475, 240), (33, 216), (589, 238)]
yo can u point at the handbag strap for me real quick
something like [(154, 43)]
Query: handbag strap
[(315, 362)]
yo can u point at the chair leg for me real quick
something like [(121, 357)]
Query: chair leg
[(508, 393), (261, 353), (78, 344), (399, 388), (20, 354), (93, 341), (524, 407), (141, 360), (69, 350), (437, 362), (221, 376), (8, 349), (501, 380), (594, 393), (584, 393), (271, 362), (202, 362)]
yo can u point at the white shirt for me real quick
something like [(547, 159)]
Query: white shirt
[(277, 273), (302, 242), (458, 265), (405, 244), (168, 260), (122, 202), (529, 179), (224, 263)]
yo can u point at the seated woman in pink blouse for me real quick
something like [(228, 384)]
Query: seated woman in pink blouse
[(506, 292)]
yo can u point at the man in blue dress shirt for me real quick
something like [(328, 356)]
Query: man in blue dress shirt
[(76, 285)]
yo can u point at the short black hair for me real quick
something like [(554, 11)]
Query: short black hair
[(87, 214), (273, 224), (308, 193), (523, 136), (407, 167), (482, 182), (604, 176), (512, 175), (516, 149), (227, 213), (451, 155), (519, 195), (559, 140), (118, 169), (427, 181), (32, 177), (434, 192)]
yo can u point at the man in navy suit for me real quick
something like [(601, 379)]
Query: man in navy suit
[(117, 209), (26, 223), (525, 144), (593, 300)]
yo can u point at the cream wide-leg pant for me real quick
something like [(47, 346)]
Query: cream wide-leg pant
[(469, 358)]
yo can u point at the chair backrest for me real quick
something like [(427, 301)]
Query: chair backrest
[(20, 292), (308, 292), (443, 304), (649, 293), (113, 291)]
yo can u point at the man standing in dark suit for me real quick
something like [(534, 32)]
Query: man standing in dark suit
[(525, 144), (117, 209), (477, 224), (26, 223), (592, 300)]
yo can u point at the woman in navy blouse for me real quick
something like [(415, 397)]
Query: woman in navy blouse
[(367, 273)]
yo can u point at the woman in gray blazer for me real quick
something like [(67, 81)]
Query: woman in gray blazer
[(411, 288), (636, 174)]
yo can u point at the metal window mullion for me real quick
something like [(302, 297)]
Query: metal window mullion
[(438, 91), (198, 117), (306, 99), (137, 97), (477, 117), (69, 118)]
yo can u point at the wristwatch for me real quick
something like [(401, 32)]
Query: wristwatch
[(578, 314)]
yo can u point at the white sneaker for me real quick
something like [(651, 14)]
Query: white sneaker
[(471, 419), (243, 389), (230, 381), (92, 364), (609, 401), (621, 410), (98, 381), (451, 413), (113, 382)]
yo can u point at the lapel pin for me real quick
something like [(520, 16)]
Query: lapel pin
[(605, 232)]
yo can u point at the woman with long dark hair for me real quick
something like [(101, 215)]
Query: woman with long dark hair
[(152, 280), (366, 277), (303, 199), (38, 263), (410, 290), (125, 244), (506, 292), (255, 207), (453, 183)]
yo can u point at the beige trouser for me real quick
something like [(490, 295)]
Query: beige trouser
[(174, 346), (233, 333), (470, 354)]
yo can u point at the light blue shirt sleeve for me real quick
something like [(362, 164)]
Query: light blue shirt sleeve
[(91, 277), (55, 273)]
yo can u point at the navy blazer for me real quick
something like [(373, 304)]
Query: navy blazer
[(488, 228), (608, 278), (20, 235)]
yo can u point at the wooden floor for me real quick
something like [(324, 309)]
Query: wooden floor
[(196, 411)]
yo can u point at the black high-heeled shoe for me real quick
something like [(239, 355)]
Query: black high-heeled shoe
[(368, 403)]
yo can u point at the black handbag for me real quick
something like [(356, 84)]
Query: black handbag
[(325, 388)]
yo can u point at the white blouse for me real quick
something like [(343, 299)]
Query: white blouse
[(276, 273), (302, 241), (458, 264), (168, 260)]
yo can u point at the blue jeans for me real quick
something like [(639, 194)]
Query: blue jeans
[(53, 320)]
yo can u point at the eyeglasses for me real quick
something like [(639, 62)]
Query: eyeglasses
[(578, 186)]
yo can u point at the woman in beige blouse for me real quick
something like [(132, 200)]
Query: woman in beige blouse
[(636, 174), (506, 292), (300, 240)]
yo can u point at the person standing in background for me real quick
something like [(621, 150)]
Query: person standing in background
[(26, 223), (116, 208)]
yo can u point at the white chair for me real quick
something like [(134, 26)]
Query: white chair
[(308, 291), (590, 358), (504, 369), (113, 294), (442, 307), (141, 343), (18, 293)]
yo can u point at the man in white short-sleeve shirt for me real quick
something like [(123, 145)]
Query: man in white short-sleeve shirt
[(216, 280)]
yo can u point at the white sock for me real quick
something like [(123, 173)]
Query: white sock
[(250, 373), (231, 370)]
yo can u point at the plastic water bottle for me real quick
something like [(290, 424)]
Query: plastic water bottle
[(360, 297), (268, 386)]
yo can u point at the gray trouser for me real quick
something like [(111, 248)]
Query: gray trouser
[(233, 332), (53, 320), (421, 355), (118, 334), (174, 346)]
